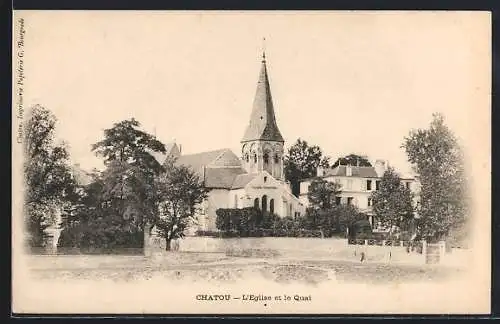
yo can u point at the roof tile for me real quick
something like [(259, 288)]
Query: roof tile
[(221, 177), (361, 172)]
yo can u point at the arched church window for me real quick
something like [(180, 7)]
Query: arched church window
[(276, 158), (271, 206), (247, 158), (264, 203), (255, 158), (256, 203), (266, 158)]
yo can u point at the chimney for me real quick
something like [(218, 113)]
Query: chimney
[(380, 167), (180, 149)]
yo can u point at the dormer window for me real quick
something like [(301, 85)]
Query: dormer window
[(276, 159), (265, 179)]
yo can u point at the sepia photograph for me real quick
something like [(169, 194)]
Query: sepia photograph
[(251, 162)]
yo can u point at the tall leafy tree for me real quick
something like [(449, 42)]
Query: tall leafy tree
[(180, 192), (131, 170), (438, 159), (98, 221), (88, 198), (301, 162), (322, 193), (336, 219), (392, 203), (49, 184), (352, 159), (126, 142), (129, 192)]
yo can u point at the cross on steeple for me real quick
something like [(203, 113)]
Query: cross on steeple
[(262, 142), (263, 50), (262, 124)]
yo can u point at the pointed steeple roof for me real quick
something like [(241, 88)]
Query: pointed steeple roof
[(262, 124)]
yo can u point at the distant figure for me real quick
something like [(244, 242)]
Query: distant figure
[(362, 257), (175, 245)]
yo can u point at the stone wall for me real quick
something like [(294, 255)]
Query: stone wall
[(300, 248)]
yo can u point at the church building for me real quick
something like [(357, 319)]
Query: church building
[(254, 177)]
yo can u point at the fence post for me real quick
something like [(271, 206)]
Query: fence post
[(442, 249), (424, 250), (147, 243)]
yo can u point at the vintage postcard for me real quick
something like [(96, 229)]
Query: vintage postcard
[(226, 162)]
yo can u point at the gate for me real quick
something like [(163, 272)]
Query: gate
[(434, 252)]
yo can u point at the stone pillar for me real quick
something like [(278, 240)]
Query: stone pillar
[(442, 249), (424, 251), (147, 243)]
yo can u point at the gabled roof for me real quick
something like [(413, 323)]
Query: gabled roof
[(242, 180), (357, 171), (262, 124), (216, 158), (170, 149), (218, 168), (222, 178)]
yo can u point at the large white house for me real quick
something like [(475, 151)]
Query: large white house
[(357, 183), (255, 177)]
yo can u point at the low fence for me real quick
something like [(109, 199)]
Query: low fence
[(412, 245), (431, 253)]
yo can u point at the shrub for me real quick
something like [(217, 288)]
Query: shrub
[(379, 235), (208, 233), (98, 232), (333, 221), (250, 222), (241, 220)]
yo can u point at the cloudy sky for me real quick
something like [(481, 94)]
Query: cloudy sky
[(346, 81)]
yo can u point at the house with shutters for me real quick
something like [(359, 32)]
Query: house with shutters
[(254, 176), (357, 183)]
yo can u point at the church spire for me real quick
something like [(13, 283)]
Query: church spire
[(264, 50), (262, 124)]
